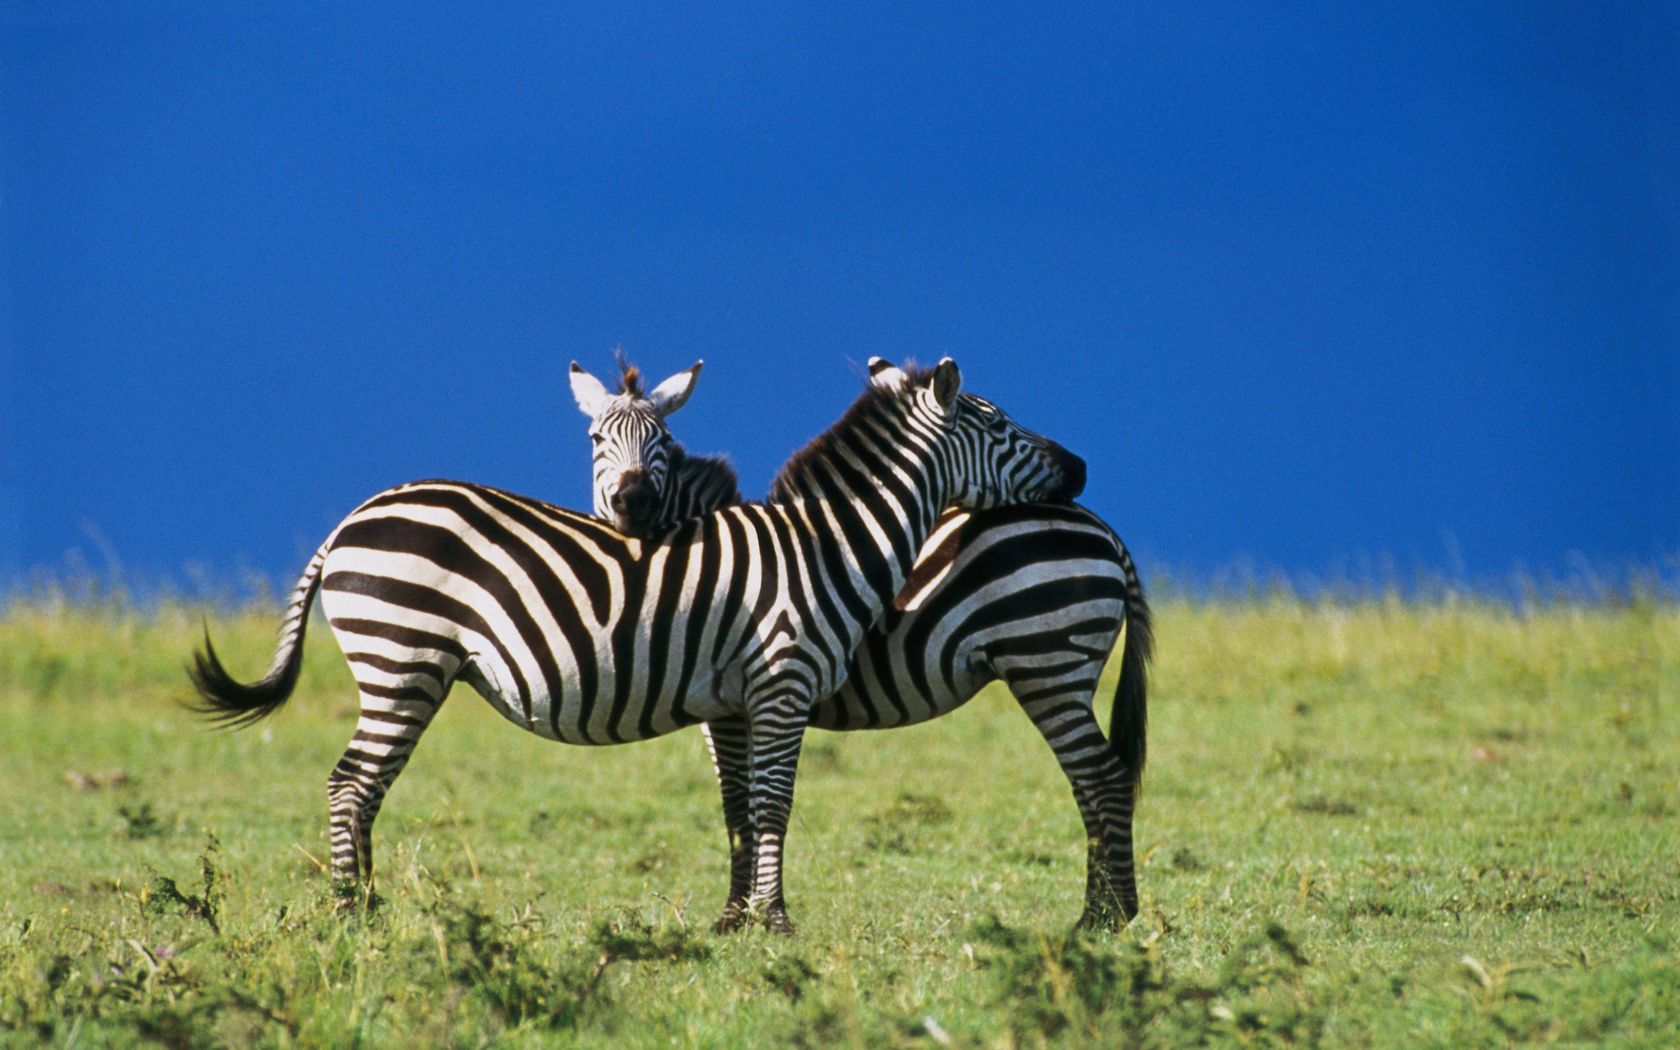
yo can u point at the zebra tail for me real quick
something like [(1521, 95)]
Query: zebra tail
[(1128, 725), (232, 704)]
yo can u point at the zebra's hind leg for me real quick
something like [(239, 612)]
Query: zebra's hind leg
[(1104, 898), (731, 748), (1101, 787), (391, 722)]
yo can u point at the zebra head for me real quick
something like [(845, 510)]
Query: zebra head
[(989, 459), (633, 448)]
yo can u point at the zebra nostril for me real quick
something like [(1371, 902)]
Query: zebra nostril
[(638, 498), (629, 491)]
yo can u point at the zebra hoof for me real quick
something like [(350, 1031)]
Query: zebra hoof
[(733, 919), (355, 899), (777, 922), (1105, 917), (1108, 905)]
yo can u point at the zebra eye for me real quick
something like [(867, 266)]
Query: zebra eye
[(596, 439)]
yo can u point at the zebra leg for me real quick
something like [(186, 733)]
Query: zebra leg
[(778, 729), (731, 748), (1118, 904), (1105, 893), (1100, 897), (1103, 790), (386, 733)]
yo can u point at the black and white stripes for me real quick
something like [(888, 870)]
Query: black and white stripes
[(1036, 596), (581, 634), (633, 454)]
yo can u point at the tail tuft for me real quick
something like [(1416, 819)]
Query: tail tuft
[(233, 704), (230, 703)]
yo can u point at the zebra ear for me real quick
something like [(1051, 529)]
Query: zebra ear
[(885, 375), (671, 395), (591, 396), (947, 381)]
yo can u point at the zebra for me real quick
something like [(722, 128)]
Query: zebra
[(1035, 595), (580, 634), (635, 458)]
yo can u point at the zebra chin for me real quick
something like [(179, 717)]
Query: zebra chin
[(639, 518), (640, 526), (642, 521)]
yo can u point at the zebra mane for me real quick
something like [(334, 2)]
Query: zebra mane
[(630, 378), (787, 483), (704, 473)]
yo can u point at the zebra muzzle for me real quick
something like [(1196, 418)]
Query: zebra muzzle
[(634, 500), (1072, 469)]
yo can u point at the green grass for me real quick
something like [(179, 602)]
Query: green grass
[(1364, 824)]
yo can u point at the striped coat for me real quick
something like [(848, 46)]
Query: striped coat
[(583, 635), (1036, 596)]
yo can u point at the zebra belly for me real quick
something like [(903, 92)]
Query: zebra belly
[(403, 632), (622, 712)]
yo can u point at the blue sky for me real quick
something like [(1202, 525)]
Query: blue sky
[(1312, 287)]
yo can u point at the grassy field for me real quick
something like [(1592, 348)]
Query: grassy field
[(1364, 824)]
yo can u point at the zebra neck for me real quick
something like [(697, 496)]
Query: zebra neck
[(878, 539), (698, 485), (873, 486)]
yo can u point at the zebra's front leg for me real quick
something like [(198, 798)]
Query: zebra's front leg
[(778, 729), (731, 748)]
